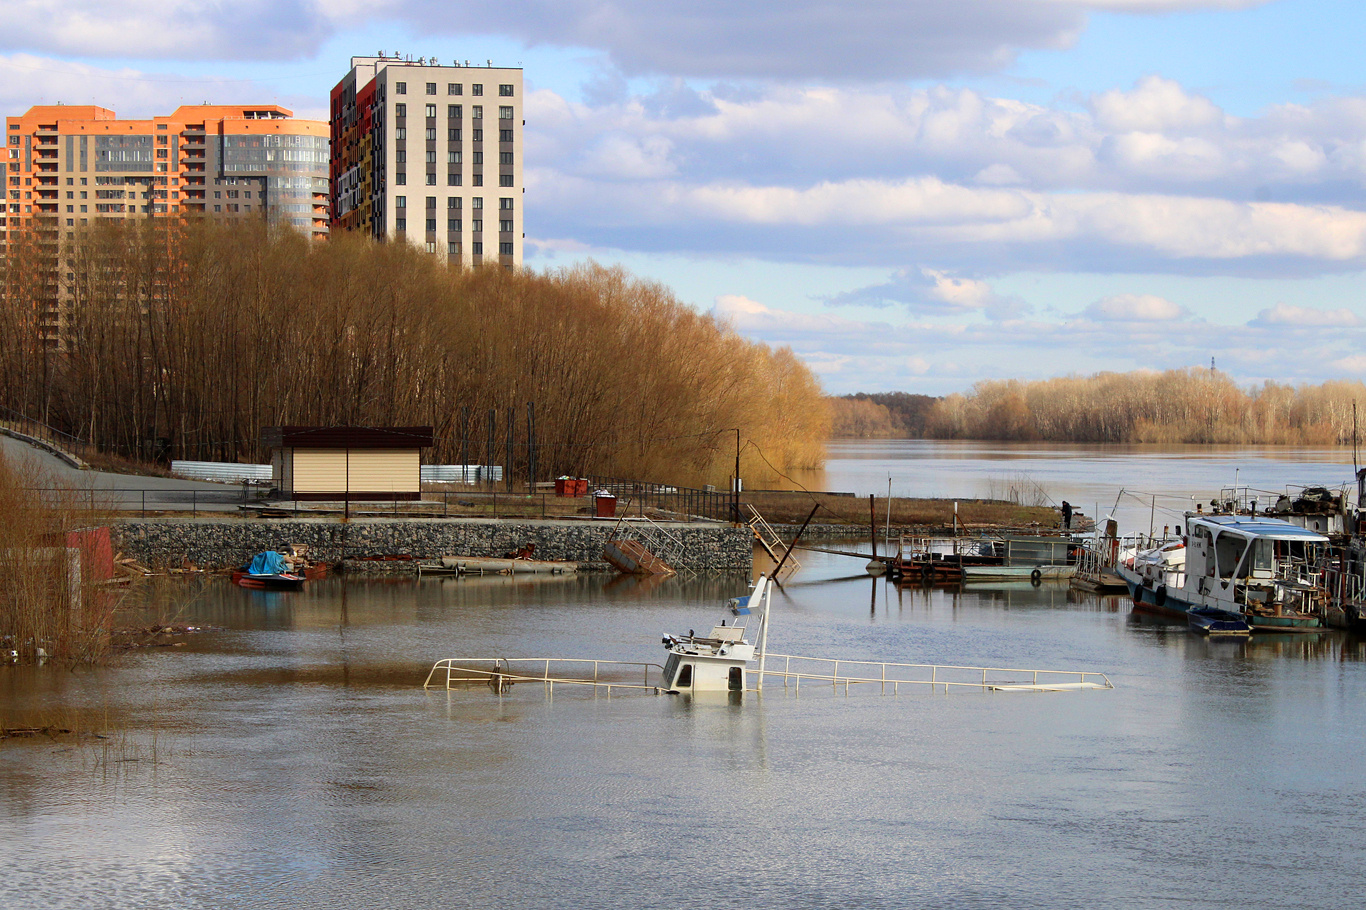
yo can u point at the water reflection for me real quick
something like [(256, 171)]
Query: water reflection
[(301, 764)]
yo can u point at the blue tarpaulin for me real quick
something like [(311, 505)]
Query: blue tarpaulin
[(267, 563)]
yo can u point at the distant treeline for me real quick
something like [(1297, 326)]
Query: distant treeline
[(192, 337), (883, 415), (1177, 406)]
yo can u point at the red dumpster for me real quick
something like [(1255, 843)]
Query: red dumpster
[(562, 485), (581, 486), (606, 504)]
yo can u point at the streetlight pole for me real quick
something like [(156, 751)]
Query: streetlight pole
[(735, 483)]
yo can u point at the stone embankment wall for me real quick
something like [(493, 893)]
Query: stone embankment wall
[(226, 543)]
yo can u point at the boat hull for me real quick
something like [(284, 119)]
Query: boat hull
[(1297, 622), (1159, 601), (1218, 622), (282, 582)]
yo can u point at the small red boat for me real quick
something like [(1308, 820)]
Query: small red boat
[(268, 570)]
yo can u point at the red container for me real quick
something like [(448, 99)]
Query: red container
[(605, 505), (581, 486), (561, 485)]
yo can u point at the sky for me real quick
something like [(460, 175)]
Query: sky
[(913, 195)]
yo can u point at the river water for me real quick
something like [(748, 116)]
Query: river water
[(291, 758)]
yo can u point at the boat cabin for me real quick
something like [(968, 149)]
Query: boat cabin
[(716, 662), (1251, 561)]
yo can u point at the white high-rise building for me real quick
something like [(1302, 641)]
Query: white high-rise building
[(431, 154)]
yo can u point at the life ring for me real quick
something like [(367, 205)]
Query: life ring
[(1036, 577), (1160, 595), (1138, 595)]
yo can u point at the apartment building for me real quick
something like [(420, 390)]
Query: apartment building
[(65, 165), (430, 154)]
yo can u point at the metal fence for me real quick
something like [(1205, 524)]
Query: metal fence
[(27, 426), (685, 502)]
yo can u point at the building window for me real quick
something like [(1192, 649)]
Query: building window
[(453, 248), (477, 248), (454, 111), (453, 88), (478, 136), (505, 226), (400, 202), (476, 90), (477, 225), (431, 246), (400, 224), (401, 179), (505, 91), (431, 157), (505, 157), (477, 202), (452, 157), (431, 134), (477, 179), (504, 113), (477, 111), (400, 88), (400, 110), (431, 178), (505, 135), (453, 224), (400, 157), (453, 202), (478, 158), (431, 225), (431, 110), (431, 88), (505, 203), (505, 180), (453, 135), (400, 133), (505, 249), (452, 180)]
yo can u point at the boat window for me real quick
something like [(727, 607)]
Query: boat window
[(670, 666), (737, 679), (1228, 550), (684, 680), (1262, 558)]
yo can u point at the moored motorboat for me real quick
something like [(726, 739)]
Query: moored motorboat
[(1262, 569)]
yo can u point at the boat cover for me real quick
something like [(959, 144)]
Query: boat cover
[(267, 563)]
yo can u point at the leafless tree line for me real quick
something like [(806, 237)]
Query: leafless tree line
[(200, 334), (1176, 406)]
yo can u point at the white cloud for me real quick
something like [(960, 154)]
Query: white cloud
[(750, 316), (27, 80), (1135, 308), (1155, 105), (1288, 315)]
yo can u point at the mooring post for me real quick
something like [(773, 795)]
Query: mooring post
[(872, 523)]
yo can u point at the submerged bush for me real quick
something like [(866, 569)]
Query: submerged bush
[(54, 558)]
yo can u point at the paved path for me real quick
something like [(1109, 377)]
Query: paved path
[(129, 491)]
